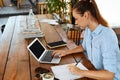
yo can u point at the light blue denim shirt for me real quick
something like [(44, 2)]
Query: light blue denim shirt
[(102, 49)]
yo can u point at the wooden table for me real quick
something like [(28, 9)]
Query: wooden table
[(16, 63)]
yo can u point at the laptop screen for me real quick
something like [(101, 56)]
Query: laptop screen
[(37, 49)]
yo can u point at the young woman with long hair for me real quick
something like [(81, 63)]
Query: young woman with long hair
[(100, 43)]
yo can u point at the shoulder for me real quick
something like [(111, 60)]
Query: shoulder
[(108, 32), (108, 35)]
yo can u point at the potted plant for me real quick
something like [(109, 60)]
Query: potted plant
[(57, 6), (63, 8)]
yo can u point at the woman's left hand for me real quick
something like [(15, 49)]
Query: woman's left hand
[(74, 70)]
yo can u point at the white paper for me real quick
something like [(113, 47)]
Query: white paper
[(31, 33), (50, 21), (62, 72)]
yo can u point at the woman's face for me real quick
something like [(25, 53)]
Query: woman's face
[(80, 19)]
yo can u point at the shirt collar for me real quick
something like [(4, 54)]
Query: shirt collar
[(97, 30)]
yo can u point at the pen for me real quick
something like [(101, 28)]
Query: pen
[(78, 61)]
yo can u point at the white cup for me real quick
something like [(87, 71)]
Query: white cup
[(70, 26), (47, 76)]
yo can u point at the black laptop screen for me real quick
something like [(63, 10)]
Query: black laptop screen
[(37, 49)]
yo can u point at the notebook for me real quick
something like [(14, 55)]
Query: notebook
[(56, 44), (62, 72), (41, 54)]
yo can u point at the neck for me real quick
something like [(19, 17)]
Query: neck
[(93, 25)]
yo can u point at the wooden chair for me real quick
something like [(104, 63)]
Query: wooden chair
[(117, 31), (1, 3), (42, 7), (18, 3), (118, 36), (75, 34)]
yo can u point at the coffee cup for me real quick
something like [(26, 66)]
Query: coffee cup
[(47, 76)]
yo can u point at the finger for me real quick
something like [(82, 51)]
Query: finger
[(54, 52), (57, 55), (62, 54)]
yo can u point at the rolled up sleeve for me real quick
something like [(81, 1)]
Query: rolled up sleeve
[(109, 53)]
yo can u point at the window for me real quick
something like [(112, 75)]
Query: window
[(110, 11)]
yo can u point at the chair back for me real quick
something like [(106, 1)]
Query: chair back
[(42, 7), (74, 34), (1, 3), (117, 31)]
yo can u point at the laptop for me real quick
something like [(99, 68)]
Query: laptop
[(41, 54)]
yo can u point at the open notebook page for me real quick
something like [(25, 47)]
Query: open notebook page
[(62, 72)]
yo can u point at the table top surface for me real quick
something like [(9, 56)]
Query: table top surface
[(16, 62)]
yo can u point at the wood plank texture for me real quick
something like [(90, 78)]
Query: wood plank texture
[(17, 67), (5, 43)]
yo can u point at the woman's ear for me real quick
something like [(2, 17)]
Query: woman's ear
[(86, 14)]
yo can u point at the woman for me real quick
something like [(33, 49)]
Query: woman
[(100, 43)]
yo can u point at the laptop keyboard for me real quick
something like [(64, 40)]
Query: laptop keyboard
[(48, 57)]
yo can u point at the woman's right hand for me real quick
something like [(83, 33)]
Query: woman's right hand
[(59, 53)]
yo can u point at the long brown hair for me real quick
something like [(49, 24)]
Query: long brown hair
[(91, 6)]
